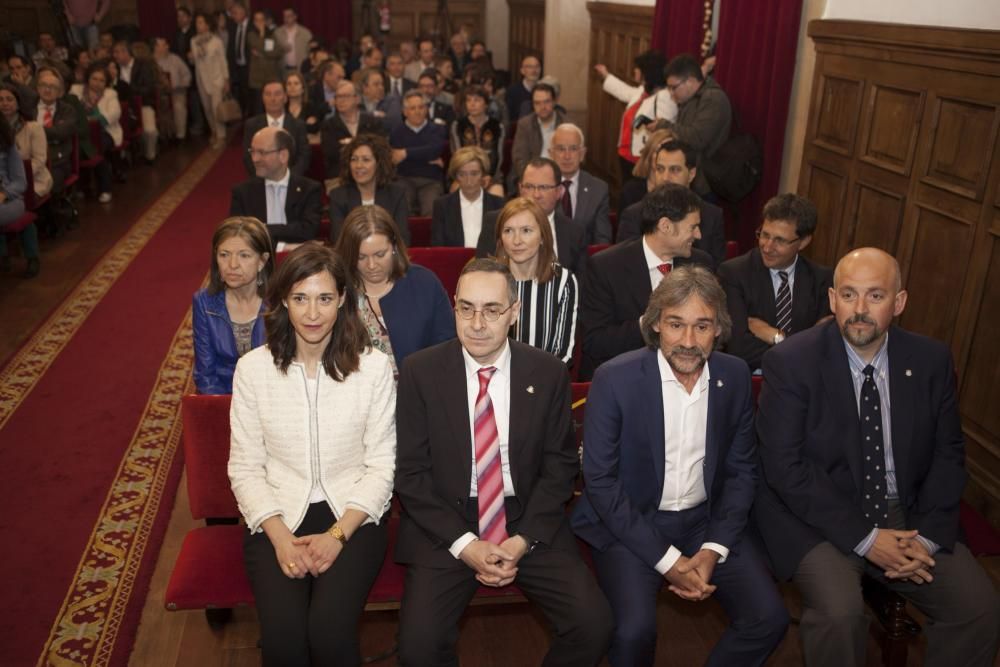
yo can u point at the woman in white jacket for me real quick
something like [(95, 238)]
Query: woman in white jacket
[(211, 72), (645, 103), (311, 463), (100, 101)]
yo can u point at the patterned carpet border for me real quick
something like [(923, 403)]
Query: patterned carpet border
[(86, 628), (35, 357)]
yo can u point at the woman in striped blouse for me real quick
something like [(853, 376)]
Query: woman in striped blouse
[(547, 292)]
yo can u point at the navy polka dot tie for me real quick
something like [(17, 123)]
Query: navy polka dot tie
[(875, 502)]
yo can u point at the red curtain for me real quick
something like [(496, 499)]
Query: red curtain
[(756, 63), (677, 26), (327, 19)]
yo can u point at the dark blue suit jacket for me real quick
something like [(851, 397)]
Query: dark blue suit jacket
[(810, 444), (623, 454)]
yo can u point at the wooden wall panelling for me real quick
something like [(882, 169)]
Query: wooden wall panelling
[(902, 152), (412, 19), (527, 33), (618, 33)]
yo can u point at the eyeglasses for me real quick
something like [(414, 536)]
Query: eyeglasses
[(674, 86), (529, 188), (489, 313), (776, 240), (256, 152)]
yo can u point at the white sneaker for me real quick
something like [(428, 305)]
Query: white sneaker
[(104, 198)]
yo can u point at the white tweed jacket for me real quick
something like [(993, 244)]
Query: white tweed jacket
[(274, 457)]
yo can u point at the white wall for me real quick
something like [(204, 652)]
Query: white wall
[(641, 3), (983, 14), (567, 52)]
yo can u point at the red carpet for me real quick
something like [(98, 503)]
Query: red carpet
[(88, 439)]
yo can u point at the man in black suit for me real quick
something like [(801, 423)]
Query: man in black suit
[(290, 205), (397, 85), (676, 162), (585, 197), (439, 112), (238, 55), (772, 291), (619, 280), (483, 493), (861, 444), (142, 75), (348, 122), (542, 182), (274, 98)]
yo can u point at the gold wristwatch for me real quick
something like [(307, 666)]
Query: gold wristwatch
[(337, 533)]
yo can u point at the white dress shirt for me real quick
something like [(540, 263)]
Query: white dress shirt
[(276, 122), (276, 193), (499, 392), (125, 71), (552, 226), (472, 218), (685, 423), (548, 129), (653, 262)]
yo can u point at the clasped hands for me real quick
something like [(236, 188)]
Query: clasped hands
[(309, 554), (901, 555), (495, 564), (689, 577)]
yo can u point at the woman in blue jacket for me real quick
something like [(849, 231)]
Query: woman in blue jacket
[(403, 305), (227, 316)]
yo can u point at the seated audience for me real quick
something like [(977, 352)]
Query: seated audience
[(403, 306), (79, 61), (418, 148), (366, 175), (311, 463), (397, 85), (676, 162), (773, 291), (476, 128), (48, 51), (459, 51), (324, 91), (506, 522), (274, 100), (645, 103), (289, 204), (211, 71), (520, 92), (29, 136), (619, 280), (141, 75), (267, 55), (100, 104), (704, 114), (22, 75), (547, 292), (13, 185), (374, 100), (670, 472), (542, 183), (426, 52), (533, 135), (342, 127), (227, 317), (439, 112), (585, 198), (300, 106), (862, 456), (59, 119), (641, 180), (459, 217), (179, 77)]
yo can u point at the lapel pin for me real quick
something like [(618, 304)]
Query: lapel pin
[(909, 373), (298, 189), (531, 389), (718, 383)]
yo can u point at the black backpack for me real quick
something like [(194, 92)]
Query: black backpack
[(735, 169)]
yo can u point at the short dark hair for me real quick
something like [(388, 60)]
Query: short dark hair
[(544, 87), (124, 44), (97, 66), (674, 145), (362, 222), (25, 114), (651, 64), (349, 339), (254, 232), (184, 10), (684, 66), (476, 91), (382, 152), (790, 207), (27, 62), (670, 201), (272, 82), (429, 72), (540, 162), (491, 265)]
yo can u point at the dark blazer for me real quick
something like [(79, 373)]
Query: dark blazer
[(144, 80), (314, 110), (391, 197), (571, 241), (392, 108), (434, 451), (215, 354), (440, 113), (60, 135), (299, 162), (446, 219), (334, 134), (750, 293), (713, 230), (417, 313), (231, 45), (303, 207), (614, 296), (407, 86), (810, 444), (592, 209), (623, 460)]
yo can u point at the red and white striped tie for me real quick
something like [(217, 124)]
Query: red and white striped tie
[(489, 478)]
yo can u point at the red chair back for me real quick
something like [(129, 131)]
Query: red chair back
[(613, 216), (755, 382), (595, 248), (420, 231), (446, 263), (206, 455), (732, 249)]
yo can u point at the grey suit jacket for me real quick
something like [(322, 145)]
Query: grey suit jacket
[(592, 209), (528, 142)]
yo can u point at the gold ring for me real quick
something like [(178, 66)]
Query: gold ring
[(291, 566)]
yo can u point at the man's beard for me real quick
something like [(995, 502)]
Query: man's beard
[(860, 338), (686, 360)]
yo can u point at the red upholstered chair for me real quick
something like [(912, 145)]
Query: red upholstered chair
[(324, 228), (613, 215), (317, 168), (32, 202), (732, 249), (420, 231), (595, 248), (446, 263), (74, 175)]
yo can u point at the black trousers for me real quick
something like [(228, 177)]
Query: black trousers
[(314, 621)]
